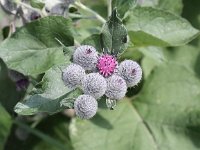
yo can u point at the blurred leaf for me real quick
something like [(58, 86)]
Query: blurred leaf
[(57, 129), (5, 125), (123, 6), (9, 95), (149, 26), (165, 115), (169, 102), (94, 40), (118, 129), (147, 3), (189, 56), (174, 6), (131, 53), (53, 142), (153, 56), (99, 6), (191, 12), (114, 34), (33, 49), (50, 96), (37, 3)]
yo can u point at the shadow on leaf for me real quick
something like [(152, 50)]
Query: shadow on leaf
[(101, 122)]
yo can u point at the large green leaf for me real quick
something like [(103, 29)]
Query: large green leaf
[(114, 34), (53, 97), (112, 130), (174, 6), (153, 56), (34, 48), (5, 125), (9, 95), (165, 115), (149, 26)]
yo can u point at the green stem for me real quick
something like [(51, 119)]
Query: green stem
[(29, 7), (109, 7), (97, 16)]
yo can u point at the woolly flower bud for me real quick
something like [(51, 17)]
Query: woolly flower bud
[(86, 56), (94, 84), (85, 106), (116, 87), (72, 75), (131, 72)]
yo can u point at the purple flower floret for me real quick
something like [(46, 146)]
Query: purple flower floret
[(106, 65)]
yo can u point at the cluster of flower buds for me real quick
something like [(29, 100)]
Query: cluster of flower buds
[(105, 76)]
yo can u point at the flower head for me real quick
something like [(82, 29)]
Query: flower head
[(104, 77), (94, 84), (131, 72), (106, 65), (72, 75), (86, 56), (116, 87), (85, 106)]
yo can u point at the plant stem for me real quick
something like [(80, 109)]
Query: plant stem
[(28, 6), (109, 7), (97, 16)]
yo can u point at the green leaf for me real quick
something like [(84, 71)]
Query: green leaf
[(174, 6), (122, 6), (114, 34), (165, 115), (37, 4), (192, 15), (118, 129), (9, 95), (5, 125), (33, 49), (51, 97), (153, 56), (149, 26), (94, 40), (58, 130)]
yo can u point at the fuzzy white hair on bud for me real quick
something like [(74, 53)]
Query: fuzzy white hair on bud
[(116, 87), (131, 72), (86, 56), (85, 106), (94, 84), (72, 76)]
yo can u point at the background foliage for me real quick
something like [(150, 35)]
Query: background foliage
[(161, 113)]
